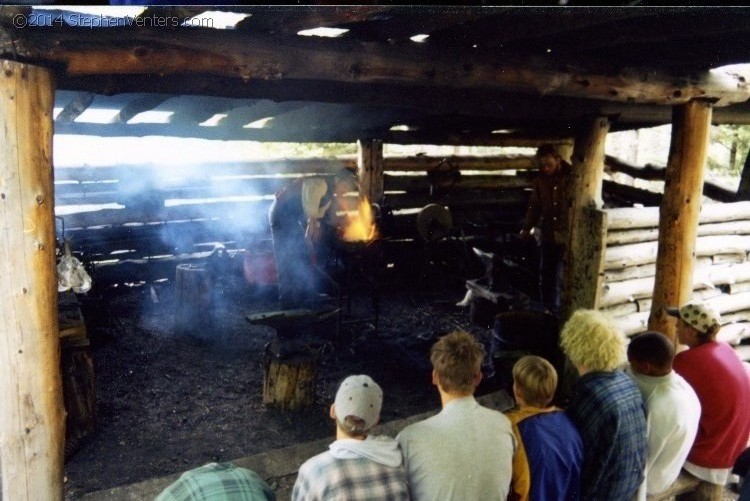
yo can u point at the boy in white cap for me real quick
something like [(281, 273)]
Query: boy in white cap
[(719, 379), (357, 466)]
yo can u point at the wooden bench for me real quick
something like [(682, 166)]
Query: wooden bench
[(685, 483)]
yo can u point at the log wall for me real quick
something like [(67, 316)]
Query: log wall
[(722, 265), (158, 216)]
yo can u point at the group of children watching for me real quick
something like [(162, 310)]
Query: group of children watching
[(625, 434)]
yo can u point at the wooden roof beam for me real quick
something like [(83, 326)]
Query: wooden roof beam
[(290, 21), (128, 51), (305, 135)]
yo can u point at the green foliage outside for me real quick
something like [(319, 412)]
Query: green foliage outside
[(731, 144)]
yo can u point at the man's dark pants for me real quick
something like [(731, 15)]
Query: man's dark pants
[(550, 271)]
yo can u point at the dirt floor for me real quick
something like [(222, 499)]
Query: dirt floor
[(168, 403)]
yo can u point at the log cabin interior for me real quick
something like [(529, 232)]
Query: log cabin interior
[(368, 77)]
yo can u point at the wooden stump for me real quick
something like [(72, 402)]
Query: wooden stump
[(193, 300), (289, 382)]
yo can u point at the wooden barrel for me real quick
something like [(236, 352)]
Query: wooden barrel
[(193, 301)]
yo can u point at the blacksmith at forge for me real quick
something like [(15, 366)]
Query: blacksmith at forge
[(547, 213), (303, 224)]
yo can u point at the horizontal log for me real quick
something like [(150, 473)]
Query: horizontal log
[(719, 213), (626, 291), (632, 217), (713, 190), (245, 214), (632, 324), (734, 258), (638, 235), (644, 304), (623, 256), (619, 237), (620, 309), (165, 175), (129, 193), (736, 316), (466, 199), (246, 55), (425, 184), (645, 252), (136, 190), (150, 240), (734, 333), (648, 172), (722, 244), (648, 217), (630, 195), (206, 172), (736, 227), (728, 303), (723, 274), (631, 290), (737, 287), (484, 163), (628, 273)]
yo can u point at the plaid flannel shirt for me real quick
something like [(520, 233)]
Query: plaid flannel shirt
[(608, 410), (218, 482), (325, 477)]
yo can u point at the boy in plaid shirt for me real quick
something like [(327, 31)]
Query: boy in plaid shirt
[(357, 466)]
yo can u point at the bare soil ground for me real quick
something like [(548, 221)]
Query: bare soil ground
[(168, 403)]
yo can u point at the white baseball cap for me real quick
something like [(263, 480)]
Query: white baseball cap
[(361, 397)]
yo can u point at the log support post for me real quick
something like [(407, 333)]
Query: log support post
[(31, 402), (587, 224), (679, 212), (370, 169)]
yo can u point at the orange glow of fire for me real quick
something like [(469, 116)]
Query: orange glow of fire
[(360, 225)]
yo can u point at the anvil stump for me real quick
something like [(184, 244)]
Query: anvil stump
[(290, 360), (289, 382)]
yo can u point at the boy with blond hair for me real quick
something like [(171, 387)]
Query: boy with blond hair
[(547, 463), (606, 406)]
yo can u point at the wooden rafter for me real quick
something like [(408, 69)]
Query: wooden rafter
[(75, 107), (143, 103)]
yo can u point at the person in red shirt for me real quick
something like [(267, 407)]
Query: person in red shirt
[(719, 379)]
